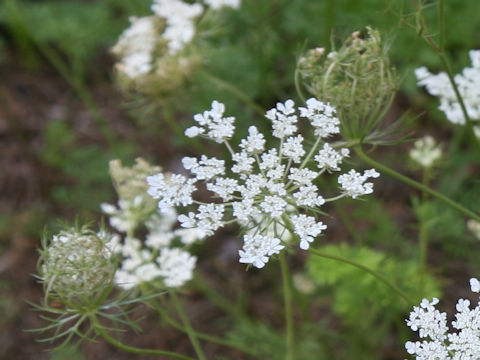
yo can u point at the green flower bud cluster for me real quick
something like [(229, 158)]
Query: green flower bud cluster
[(357, 79), (130, 181), (77, 265)]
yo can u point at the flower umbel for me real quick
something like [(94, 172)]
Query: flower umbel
[(426, 152), (357, 79), (269, 192), (162, 255), (438, 342), (77, 265), (467, 83)]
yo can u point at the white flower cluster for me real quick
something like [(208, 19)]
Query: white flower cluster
[(178, 15), (425, 151), (467, 83), (268, 191), (438, 343), (161, 255), (474, 227), (127, 215), (136, 45)]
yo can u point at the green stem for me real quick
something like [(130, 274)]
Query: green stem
[(216, 298), (235, 91), (287, 295), (100, 331), (188, 327), (441, 24), (298, 86), (366, 269), (200, 335), (440, 50), (329, 23), (354, 233), (468, 121), (415, 184), (423, 233)]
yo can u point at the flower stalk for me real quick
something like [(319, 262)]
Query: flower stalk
[(287, 297), (100, 329), (188, 327), (419, 186)]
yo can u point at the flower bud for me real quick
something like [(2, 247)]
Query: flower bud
[(357, 79), (77, 265)]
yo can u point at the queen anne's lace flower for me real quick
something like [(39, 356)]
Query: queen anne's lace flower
[(467, 83), (213, 124), (426, 152), (438, 343), (157, 257), (176, 266), (161, 257), (268, 191), (258, 248), (354, 185), (135, 47), (78, 263), (178, 16), (138, 43)]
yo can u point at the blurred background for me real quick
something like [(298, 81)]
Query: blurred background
[(63, 116)]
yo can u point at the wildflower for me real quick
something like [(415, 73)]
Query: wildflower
[(257, 249), (467, 83), (474, 227), (267, 191), (438, 342), (426, 152), (135, 47), (159, 257), (217, 4), (175, 266), (354, 185), (77, 264), (357, 79), (178, 16), (134, 205)]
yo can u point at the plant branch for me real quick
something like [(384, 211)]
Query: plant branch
[(188, 327), (415, 184), (101, 331), (287, 295)]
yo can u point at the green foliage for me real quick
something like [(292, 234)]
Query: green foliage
[(375, 225), (68, 352), (267, 343), (85, 166), (365, 304), (78, 29)]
